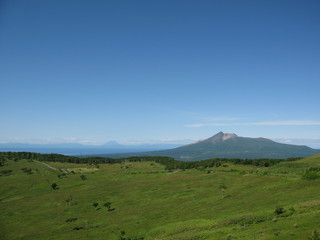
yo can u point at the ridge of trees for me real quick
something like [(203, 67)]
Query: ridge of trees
[(168, 162)]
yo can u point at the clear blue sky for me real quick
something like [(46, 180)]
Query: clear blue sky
[(159, 70)]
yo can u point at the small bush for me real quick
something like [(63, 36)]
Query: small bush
[(108, 205), (277, 233), (279, 210), (122, 236), (248, 220), (230, 237), (311, 174), (71, 220), (5, 172), (78, 228), (83, 177), (62, 175), (315, 236), (27, 170), (68, 201)]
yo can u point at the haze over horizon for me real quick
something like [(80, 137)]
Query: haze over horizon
[(159, 71)]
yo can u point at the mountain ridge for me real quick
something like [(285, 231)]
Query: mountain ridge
[(230, 145)]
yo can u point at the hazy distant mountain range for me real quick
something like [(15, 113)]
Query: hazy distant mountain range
[(221, 145), (82, 149), (229, 145)]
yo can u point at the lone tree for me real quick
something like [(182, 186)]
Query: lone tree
[(54, 186)]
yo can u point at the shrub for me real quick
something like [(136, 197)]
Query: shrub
[(108, 205), (230, 237), (83, 177), (78, 228), (279, 210), (123, 237), (68, 201), (62, 175), (27, 170), (315, 236), (54, 186), (71, 220), (5, 172), (311, 174)]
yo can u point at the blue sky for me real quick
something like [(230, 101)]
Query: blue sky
[(139, 71)]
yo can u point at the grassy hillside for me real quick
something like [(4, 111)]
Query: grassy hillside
[(142, 200)]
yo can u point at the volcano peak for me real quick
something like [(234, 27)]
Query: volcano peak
[(221, 136)]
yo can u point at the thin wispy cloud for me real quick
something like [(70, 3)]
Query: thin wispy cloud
[(286, 123), (266, 123), (220, 119), (49, 141), (214, 121), (207, 125)]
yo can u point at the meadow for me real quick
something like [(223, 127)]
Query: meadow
[(143, 200)]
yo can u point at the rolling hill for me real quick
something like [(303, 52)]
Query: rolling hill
[(142, 200), (229, 145)]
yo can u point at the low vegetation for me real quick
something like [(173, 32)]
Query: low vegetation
[(148, 198)]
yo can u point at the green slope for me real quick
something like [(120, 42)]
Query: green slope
[(152, 203)]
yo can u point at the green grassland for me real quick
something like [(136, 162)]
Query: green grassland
[(142, 200)]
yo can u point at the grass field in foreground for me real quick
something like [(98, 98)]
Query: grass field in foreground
[(146, 201)]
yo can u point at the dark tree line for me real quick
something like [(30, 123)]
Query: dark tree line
[(168, 162)]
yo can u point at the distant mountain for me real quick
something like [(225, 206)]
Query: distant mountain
[(112, 144), (229, 145)]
